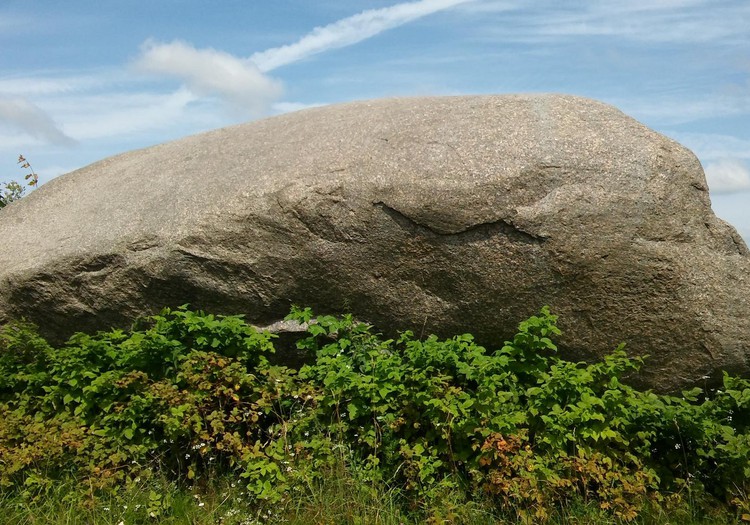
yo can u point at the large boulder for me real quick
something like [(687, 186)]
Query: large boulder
[(439, 215)]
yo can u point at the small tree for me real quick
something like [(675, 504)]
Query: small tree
[(12, 191)]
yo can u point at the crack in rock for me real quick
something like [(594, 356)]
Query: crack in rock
[(506, 226)]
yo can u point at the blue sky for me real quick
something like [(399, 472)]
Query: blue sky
[(85, 79)]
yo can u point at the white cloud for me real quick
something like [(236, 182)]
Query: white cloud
[(25, 116), (209, 72), (733, 208), (348, 31), (714, 146), (728, 176)]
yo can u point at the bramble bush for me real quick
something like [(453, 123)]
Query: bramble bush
[(191, 395)]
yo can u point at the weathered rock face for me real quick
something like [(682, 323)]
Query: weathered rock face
[(439, 215)]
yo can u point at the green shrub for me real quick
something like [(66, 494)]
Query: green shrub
[(192, 395)]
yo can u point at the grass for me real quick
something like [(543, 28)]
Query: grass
[(339, 498)]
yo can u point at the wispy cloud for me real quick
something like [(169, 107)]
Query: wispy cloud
[(128, 114), (348, 31), (667, 110), (726, 159), (51, 84), (638, 20), (714, 146), (25, 116), (728, 176)]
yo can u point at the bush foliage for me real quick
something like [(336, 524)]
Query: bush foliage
[(193, 394)]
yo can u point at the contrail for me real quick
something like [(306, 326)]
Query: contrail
[(348, 31)]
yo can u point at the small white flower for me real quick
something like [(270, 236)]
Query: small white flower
[(187, 456), (677, 446), (106, 509), (121, 523), (201, 504)]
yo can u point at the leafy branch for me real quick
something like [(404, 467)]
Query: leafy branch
[(13, 191), (32, 178)]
